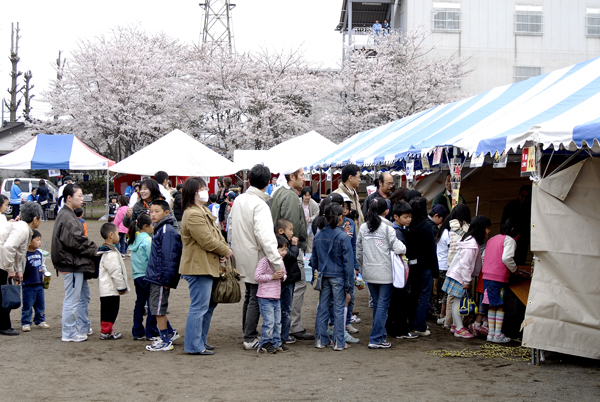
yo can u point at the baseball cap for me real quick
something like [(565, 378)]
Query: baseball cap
[(67, 178), (440, 210)]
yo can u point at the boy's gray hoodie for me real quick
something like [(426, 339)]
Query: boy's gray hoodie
[(373, 252)]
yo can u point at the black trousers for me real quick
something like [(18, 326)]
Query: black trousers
[(16, 210), (4, 312), (109, 310)]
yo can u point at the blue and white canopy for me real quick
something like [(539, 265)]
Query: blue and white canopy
[(558, 108), (55, 152)]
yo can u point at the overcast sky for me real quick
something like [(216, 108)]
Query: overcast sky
[(49, 26)]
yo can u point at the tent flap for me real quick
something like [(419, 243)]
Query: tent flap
[(562, 309)]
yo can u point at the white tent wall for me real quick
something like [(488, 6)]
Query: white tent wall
[(562, 310)]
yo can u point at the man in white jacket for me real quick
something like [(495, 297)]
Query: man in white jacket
[(252, 238)]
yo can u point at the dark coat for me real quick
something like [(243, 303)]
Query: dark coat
[(72, 250), (163, 266), (42, 193), (177, 206), (421, 246), (294, 273)]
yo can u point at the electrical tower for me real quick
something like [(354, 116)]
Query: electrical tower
[(217, 22)]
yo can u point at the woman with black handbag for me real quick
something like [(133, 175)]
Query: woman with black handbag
[(204, 249), (13, 249)]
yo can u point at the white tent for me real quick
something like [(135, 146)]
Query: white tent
[(179, 155), (245, 159), (298, 152)]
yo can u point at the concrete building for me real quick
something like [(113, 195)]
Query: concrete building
[(505, 41)]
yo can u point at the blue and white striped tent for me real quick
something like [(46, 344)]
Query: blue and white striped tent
[(558, 108)]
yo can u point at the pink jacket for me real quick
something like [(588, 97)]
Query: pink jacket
[(268, 288), (119, 219), (467, 262)]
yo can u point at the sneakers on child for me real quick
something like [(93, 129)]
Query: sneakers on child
[(474, 329), (382, 345), (321, 345), (490, 338), (351, 329), (43, 325), (484, 329), (441, 320), (175, 336), (253, 344), (160, 347), (453, 329), (113, 335), (90, 331), (423, 333), (501, 338), (339, 348), (283, 349), (25, 328), (267, 348), (349, 338), (355, 320), (76, 338), (463, 333), (410, 335), (290, 340)]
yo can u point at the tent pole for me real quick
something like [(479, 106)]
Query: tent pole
[(107, 174)]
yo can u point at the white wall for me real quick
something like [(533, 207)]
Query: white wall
[(487, 36)]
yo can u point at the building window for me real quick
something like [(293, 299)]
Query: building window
[(529, 20), (446, 17), (524, 72), (592, 22)]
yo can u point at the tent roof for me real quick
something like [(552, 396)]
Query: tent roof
[(178, 154), (289, 156), (55, 152), (558, 108)]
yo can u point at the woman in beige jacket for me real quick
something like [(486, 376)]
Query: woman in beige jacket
[(204, 248)]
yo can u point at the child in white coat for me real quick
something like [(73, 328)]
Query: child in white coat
[(112, 281)]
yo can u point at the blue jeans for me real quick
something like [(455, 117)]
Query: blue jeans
[(75, 315), (420, 298), (287, 296), (332, 290), (33, 296), (381, 294), (122, 243), (200, 314), (142, 292), (270, 310)]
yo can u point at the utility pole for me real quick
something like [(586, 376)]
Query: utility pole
[(14, 74), (216, 26)]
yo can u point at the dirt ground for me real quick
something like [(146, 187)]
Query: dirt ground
[(38, 366)]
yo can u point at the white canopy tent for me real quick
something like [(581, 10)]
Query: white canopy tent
[(178, 154)]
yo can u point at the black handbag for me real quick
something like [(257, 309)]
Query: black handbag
[(11, 295)]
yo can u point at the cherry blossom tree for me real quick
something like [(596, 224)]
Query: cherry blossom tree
[(399, 76), (120, 92)]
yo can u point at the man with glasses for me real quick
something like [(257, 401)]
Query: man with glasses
[(349, 187), (385, 187)]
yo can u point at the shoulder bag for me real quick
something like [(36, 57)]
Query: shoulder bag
[(226, 288)]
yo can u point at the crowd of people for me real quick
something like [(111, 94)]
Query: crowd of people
[(186, 232)]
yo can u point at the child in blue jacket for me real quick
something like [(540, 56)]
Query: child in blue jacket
[(163, 271)]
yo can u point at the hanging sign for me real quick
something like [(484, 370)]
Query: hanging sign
[(477, 161), (53, 172), (425, 162), (500, 160), (455, 179), (410, 170), (528, 161), (437, 156)]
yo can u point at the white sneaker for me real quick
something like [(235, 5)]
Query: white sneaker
[(252, 344), (26, 328), (355, 320), (90, 332), (76, 338), (160, 347), (43, 325), (423, 333), (441, 321), (501, 339), (351, 329)]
